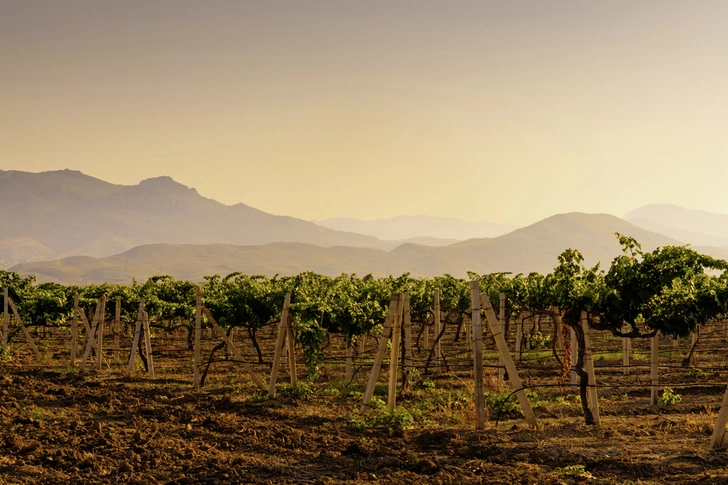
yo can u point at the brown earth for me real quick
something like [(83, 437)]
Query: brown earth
[(112, 427)]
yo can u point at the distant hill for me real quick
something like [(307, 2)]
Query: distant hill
[(408, 227), (695, 227), (67, 213), (532, 248)]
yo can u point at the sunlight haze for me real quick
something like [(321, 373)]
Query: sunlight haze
[(481, 110)]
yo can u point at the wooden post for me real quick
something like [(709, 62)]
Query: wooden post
[(438, 329), (502, 323), (349, 363), (220, 332), (407, 323), (198, 337), (137, 333), (558, 324), (74, 331), (28, 338), (291, 343), (394, 354), (282, 329), (478, 351), (362, 344), (574, 357), (426, 334), (719, 439), (100, 335), (379, 357), (6, 319), (91, 339), (654, 369), (117, 329), (510, 366), (592, 395), (626, 350), (148, 343), (695, 336), (469, 333), (519, 336)]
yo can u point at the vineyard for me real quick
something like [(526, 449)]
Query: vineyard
[(581, 374)]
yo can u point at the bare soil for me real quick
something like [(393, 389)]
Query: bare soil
[(112, 427)]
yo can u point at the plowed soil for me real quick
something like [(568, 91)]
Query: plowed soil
[(57, 427)]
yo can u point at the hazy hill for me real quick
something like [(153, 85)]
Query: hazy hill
[(691, 226), (532, 248), (63, 213), (408, 227)]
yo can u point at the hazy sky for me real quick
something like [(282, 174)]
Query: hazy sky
[(508, 111)]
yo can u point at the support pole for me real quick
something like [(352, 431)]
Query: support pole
[(100, 335), (574, 357), (407, 324), (379, 357), (478, 354), (117, 329), (198, 337), (6, 319), (28, 338), (148, 343), (654, 347), (504, 352), (502, 327), (719, 439), (589, 365), (394, 353), (438, 344), (137, 333), (282, 329), (74, 331), (626, 350)]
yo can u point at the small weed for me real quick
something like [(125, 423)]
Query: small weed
[(669, 397), (5, 355), (575, 471), (398, 419), (428, 384), (304, 390), (695, 373)]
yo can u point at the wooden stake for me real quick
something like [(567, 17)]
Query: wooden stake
[(478, 354), (379, 357), (135, 338), (719, 439), (291, 344), (282, 329), (91, 340), (198, 337), (28, 338), (6, 319), (519, 337), (574, 357), (626, 350), (557, 330), (74, 331), (654, 369), (407, 322), (504, 352), (148, 343), (117, 329), (502, 327), (438, 343), (394, 354), (100, 334), (349, 363), (589, 364), (219, 330)]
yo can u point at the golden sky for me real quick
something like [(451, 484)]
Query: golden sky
[(508, 111)]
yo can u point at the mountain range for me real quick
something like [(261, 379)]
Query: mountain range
[(68, 227)]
